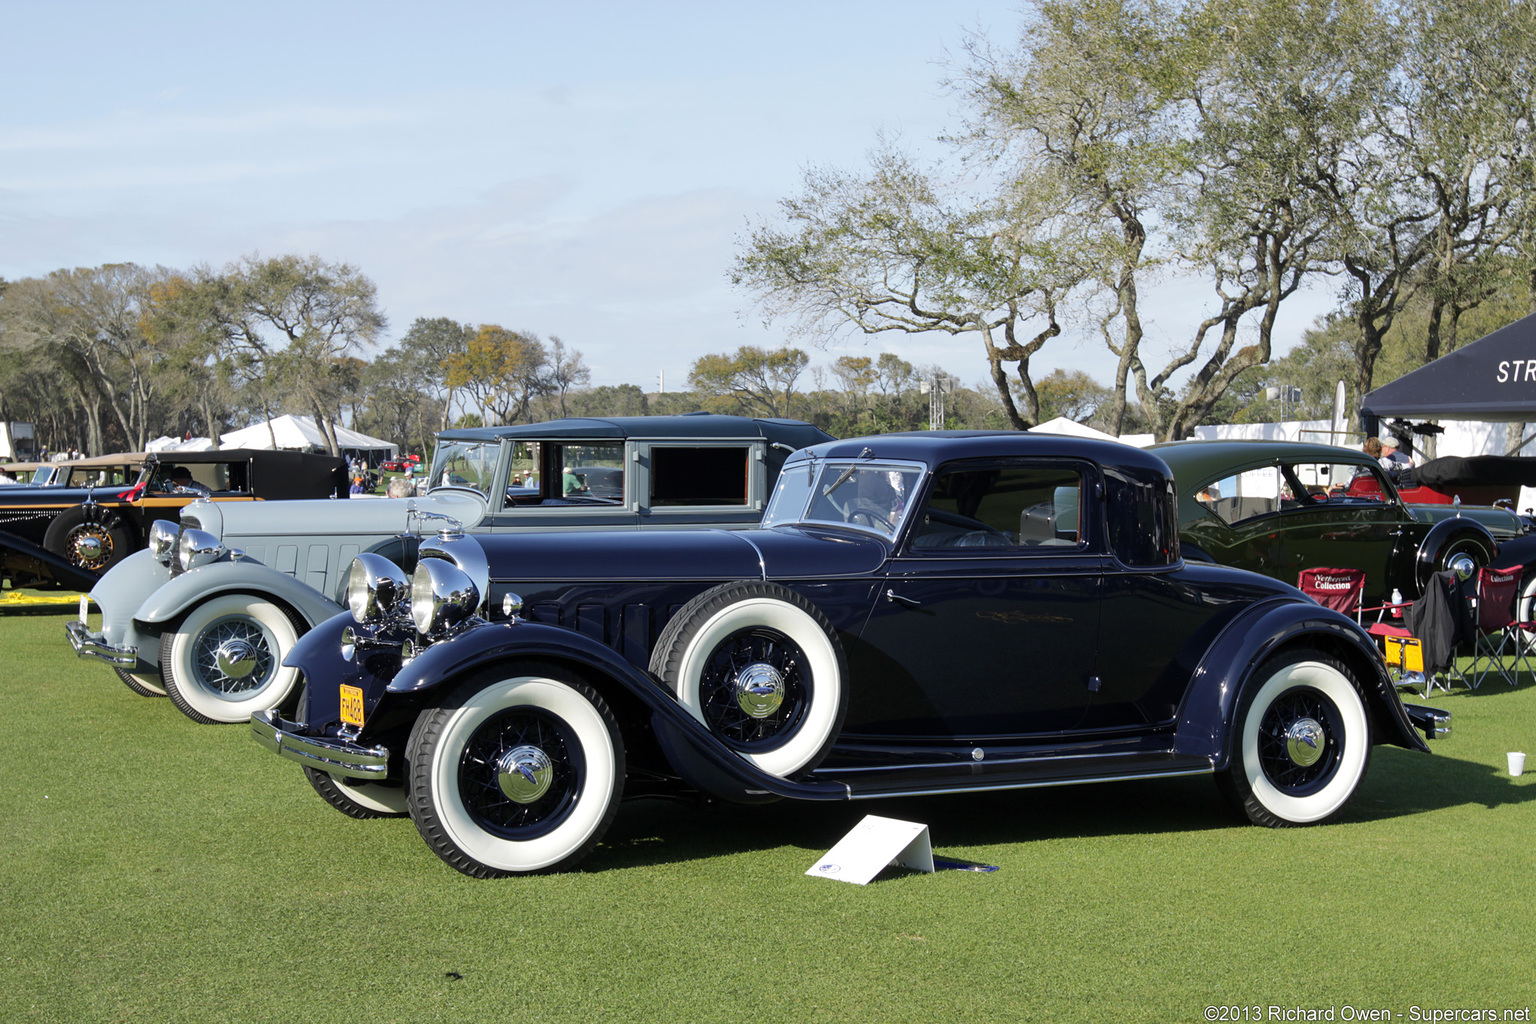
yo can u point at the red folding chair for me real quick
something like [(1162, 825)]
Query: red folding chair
[(1498, 633), (1343, 590)]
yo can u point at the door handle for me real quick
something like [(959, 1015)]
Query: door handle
[(895, 598)]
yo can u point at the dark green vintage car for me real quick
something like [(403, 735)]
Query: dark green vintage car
[(1278, 507)]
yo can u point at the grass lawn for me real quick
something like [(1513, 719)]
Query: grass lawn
[(158, 870)]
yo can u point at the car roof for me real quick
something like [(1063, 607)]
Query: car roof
[(1198, 461), (795, 433), (936, 446)]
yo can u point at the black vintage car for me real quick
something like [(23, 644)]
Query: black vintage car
[(919, 613), (100, 510), (1278, 507)]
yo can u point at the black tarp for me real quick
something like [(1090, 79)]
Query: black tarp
[(1492, 380), (1475, 470)]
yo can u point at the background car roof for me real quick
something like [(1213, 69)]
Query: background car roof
[(795, 433), (935, 446), (1199, 461)]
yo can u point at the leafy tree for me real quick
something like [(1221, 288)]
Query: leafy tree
[(503, 371), (761, 382), (293, 319), (610, 400), (425, 351), (88, 321), (891, 252), (1438, 183)]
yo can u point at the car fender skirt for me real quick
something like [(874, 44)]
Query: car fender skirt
[(177, 596), (1259, 631)]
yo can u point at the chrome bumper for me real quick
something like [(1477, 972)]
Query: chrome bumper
[(334, 757), (94, 645), (1432, 722)]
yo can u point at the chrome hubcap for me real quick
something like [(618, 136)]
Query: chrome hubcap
[(524, 774), (1304, 742), (89, 548), (759, 689), (236, 658)]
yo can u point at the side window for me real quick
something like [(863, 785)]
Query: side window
[(1317, 483), (699, 476), (1021, 508), (589, 473), (1244, 496)]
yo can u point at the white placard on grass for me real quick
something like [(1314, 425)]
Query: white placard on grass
[(872, 845)]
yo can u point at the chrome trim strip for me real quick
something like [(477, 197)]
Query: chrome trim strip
[(328, 756), (993, 762), (994, 787), (94, 645)]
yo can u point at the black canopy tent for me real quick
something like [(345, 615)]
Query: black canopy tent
[(1492, 380)]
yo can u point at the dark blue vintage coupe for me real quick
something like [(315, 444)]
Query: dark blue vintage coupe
[(918, 614)]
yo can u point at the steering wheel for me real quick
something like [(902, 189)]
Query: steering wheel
[(871, 516)]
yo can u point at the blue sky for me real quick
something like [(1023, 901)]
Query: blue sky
[(582, 170)]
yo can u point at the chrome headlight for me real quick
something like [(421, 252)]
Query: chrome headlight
[(375, 588), (162, 540), (197, 548), (442, 596)]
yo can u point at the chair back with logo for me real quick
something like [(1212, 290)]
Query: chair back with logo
[(1496, 592), (1339, 589)]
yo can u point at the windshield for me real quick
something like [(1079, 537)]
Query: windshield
[(465, 464), (869, 495)]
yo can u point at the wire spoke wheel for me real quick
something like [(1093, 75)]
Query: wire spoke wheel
[(1299, 742), (233, 657), (536, 748), (224, 660), (753, 687), (762, 668), (518, 771)]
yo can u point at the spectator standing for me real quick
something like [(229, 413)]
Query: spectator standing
[(1394, 461)]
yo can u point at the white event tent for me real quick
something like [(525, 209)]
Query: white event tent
[(299, 433), (1071, 428)]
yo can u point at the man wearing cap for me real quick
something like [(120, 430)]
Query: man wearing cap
[(1393, 460)]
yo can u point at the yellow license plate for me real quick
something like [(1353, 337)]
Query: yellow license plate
[(352, 705)]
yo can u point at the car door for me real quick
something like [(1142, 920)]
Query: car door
[(559, 484), (987, 622)]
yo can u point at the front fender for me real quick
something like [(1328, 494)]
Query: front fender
[(178, 595), (694, 753), (1206, 717), (119, 594), (1518, 551)]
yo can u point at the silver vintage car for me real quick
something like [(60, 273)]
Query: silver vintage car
[(207, 613)]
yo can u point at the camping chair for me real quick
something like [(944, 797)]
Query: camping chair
[(1343, 590), (1498, 635)]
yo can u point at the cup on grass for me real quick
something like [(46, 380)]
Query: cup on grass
[(1516, 762)]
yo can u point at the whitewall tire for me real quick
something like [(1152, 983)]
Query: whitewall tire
[(356, 799), (762, 668), (224, 660), (519, 773), (1302, 741)]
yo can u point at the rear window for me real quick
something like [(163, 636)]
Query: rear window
[(1142, 510)]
